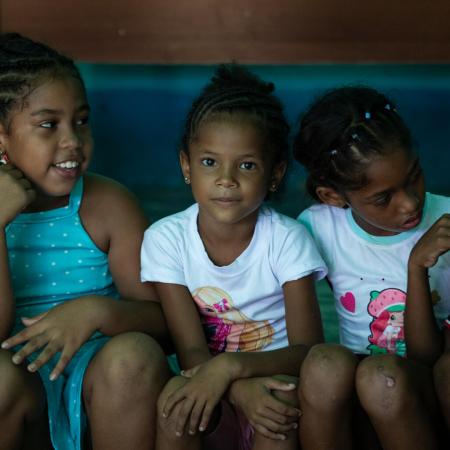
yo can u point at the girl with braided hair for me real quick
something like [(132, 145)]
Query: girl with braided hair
[(69, 251), (380, 234), (235, 278)]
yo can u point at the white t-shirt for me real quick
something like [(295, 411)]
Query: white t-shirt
[(368, 275), (241, 304)]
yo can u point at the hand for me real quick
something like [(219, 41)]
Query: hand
[(268, 415), (431, 245), (16, 192), (200, 395), (64, 328)]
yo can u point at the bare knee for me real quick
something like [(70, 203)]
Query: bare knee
[(327, 377), (131, 364), (384, 386)]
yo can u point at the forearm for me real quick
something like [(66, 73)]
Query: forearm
[(423, 339), (7, 304), (119, 316), (286, 361)]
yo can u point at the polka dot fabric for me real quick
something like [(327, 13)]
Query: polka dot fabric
[(53, 260)]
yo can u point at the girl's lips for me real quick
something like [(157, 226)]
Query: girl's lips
[(413, 221), (67, 173)]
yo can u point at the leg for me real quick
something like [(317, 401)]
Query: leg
[(23, 414), (397, 395), (441, 373), (120, 391), (165, 436), (291, 441), (326, 392)]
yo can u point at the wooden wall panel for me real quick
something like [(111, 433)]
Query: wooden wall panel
[(250, 31)]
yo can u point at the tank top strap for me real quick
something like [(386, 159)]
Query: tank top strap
[(59, 213), (76, 195)]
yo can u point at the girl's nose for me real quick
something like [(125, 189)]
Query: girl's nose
[(70, 140), (226, 178), (409, 201)]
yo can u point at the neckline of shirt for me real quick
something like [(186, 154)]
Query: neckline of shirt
[(254, 249)]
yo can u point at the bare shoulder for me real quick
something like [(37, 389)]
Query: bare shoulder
[(109, 208)]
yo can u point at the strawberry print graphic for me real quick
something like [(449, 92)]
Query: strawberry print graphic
[(387, 307)]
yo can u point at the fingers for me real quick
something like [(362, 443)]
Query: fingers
[(282, 409), (267, 433), (274, 384), (64, 359), (196, 414), (32, 320), (47, 353), (183, 415), (30, 347), (17, 339), (207, 412), (172, 400)]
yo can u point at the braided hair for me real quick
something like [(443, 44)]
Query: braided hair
[(236, 93), (24, 65), (342, 132)]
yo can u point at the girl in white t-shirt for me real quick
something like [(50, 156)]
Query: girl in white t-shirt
[(235, 278), (372, 210)]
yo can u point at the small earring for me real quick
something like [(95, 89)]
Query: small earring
[(273, 187), (187, 180), (3, 157)]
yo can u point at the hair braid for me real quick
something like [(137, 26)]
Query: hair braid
[(24, 64)]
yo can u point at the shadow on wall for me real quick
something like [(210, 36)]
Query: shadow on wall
[(138, 113)]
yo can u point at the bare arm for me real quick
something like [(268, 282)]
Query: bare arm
[(184, 324), (304, 329), (231, 370), (116, 223), (423, 339), (16, 194), (7, 304)]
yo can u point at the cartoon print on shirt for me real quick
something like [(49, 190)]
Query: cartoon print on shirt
[(387, 307), (227, 328)]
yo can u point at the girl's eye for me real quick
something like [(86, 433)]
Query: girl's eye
[(382, 201), (247, 165), (48, 124), (208, 162), (82, 121)]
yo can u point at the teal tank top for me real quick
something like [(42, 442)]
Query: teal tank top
[(53, 259)]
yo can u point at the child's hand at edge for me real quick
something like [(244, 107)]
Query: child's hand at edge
[(16, 192), (431, 245), (207, 384), (64, 328), (268, 415)]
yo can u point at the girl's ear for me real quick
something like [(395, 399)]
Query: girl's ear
[(330, 197), (3, 137), (185, 166), (277, 175)]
